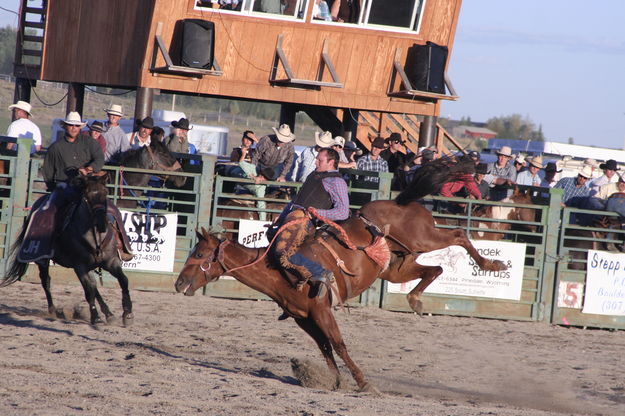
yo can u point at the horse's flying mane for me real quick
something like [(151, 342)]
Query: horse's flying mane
[(430, 178)]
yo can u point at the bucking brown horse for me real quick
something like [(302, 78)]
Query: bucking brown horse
[(410, 229)]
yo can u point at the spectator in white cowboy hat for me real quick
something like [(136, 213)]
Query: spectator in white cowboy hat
[(116, 139), (23, 127), (345, 161), (73, 154), (501, 174), (532, 176), (306, 164), (177, 141), (276, 151), (610, 167), (520, 163), (575, 189)]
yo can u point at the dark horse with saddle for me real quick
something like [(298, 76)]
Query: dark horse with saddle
[(382, 241), (77, 228)]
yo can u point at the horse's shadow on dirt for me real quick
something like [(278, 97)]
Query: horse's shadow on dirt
[(7, 318)]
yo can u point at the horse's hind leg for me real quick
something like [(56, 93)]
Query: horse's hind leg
[(458, 237), (323, 318), (427, 276), (44, 275), (324, 345), (116, 270), (89, 286)]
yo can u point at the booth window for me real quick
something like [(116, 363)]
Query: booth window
[(385, 14), (287, 8)]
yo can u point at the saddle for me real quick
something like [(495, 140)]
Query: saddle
[(37, 241), (42, 226)]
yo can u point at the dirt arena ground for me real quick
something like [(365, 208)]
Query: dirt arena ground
[(203, 355)]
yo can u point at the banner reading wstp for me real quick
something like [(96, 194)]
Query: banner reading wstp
[(153, 240), (605, 283), (462, 276)]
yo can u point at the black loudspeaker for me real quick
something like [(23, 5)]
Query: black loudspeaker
[(425, 67), (198, 43)]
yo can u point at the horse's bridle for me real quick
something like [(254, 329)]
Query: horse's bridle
[(216, 255)]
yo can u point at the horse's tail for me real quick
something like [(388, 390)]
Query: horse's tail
[(17, 269), (430, 178)]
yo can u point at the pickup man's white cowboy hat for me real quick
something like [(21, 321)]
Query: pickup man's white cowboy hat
[(74, 119), (284, 133), (22, 105), (324, 139), (115, 109)]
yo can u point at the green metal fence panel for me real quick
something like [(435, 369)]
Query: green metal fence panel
[(571, 279), (535, 295)]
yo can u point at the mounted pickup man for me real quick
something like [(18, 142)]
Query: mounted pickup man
[(324, 193), (73, 155)]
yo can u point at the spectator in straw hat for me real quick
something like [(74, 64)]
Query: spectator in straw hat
[(501, 175), (575, 189), (23, 127), (116, 140), (609, 168), (73, 154), (306, 165), (276, 151), (532, 176)]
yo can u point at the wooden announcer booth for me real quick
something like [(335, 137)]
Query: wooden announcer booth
[(374, 58)]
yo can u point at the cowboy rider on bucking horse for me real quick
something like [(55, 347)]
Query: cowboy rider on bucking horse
[(325, 193)]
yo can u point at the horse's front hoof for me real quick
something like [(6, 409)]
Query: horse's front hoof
[(128, 319), (370, 388), (416, 305)]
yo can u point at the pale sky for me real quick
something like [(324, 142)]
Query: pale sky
[(559, 62)]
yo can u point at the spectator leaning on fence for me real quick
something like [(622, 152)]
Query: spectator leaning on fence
[(575, 189), (609, 168), (308, 157), (276, 151), (22, 126), (532, 176), (501, 174)]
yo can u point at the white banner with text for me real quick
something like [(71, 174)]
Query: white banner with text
[(462, 276), (153, 240), (252, 233), (605, 283)]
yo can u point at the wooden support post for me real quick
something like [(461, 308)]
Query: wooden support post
[(143, 103), (75, 98), (427, 131), (22, 90), (287, 115)]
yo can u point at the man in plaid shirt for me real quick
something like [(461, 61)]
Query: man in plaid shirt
[(373, 161)]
